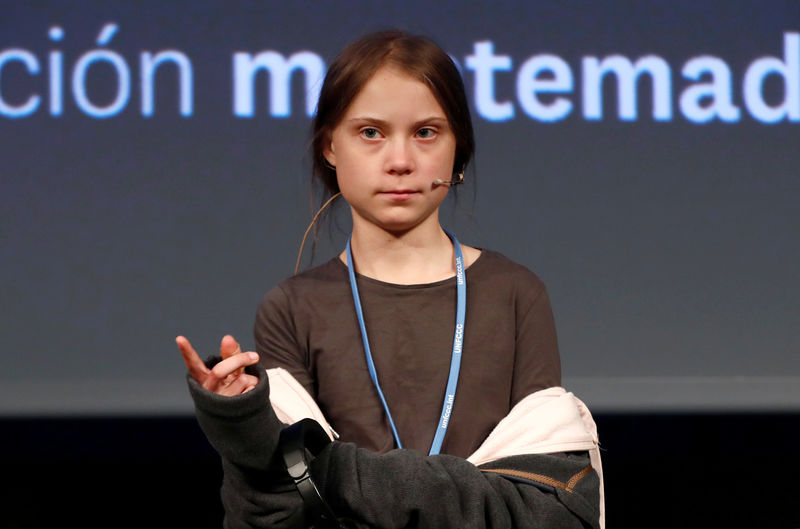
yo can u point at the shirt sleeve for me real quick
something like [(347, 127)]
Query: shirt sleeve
[(537, 364), (276, 338)]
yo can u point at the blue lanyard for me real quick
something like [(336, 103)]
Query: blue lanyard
[(455, 360)]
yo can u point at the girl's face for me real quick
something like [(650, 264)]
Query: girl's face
[(391, 144)]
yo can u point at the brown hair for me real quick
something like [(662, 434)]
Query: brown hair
[(415, 55)]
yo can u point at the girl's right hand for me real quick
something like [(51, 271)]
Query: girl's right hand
[(227, 377)]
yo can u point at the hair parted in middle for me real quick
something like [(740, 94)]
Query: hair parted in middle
[(415, 55)]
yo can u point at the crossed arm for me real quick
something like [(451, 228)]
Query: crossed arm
[(399, 489)]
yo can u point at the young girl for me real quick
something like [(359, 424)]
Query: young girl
[(374, 338)]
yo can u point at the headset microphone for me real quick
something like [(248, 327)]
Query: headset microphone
[(457, 179)]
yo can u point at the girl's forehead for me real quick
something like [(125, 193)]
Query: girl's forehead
[(391, 90)]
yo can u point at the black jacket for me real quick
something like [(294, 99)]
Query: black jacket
[(399, 489)]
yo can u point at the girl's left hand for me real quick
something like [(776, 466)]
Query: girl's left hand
[(227, 377)]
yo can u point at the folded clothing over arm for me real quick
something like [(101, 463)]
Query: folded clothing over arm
[(401, 488)]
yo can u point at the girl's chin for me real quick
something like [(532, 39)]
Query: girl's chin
[(398, 220), (397, 226)]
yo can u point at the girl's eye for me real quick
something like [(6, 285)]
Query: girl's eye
[(370, 133), (426, 133)]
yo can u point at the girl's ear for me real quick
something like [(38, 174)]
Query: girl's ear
[(329, 152)]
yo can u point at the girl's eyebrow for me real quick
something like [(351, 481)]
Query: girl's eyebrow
[(368, 119), (439, 120)]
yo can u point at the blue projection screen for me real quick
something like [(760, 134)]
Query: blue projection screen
[(641, 157)]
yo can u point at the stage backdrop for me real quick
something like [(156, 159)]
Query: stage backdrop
[(641, 157)]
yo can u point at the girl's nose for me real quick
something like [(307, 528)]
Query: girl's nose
[(399, 157)]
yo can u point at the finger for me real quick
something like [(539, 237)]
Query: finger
[(196, 367), (220, 375), (240, 384), (228, 347), (233, 363)]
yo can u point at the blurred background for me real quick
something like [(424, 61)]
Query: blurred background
[(640, 157)]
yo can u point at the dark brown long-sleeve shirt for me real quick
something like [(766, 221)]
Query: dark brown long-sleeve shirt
[(307, 325)]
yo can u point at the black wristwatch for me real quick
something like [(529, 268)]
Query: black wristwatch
[(296, 442)]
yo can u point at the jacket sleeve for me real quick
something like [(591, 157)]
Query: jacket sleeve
[(256, 490), (405, 489)]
